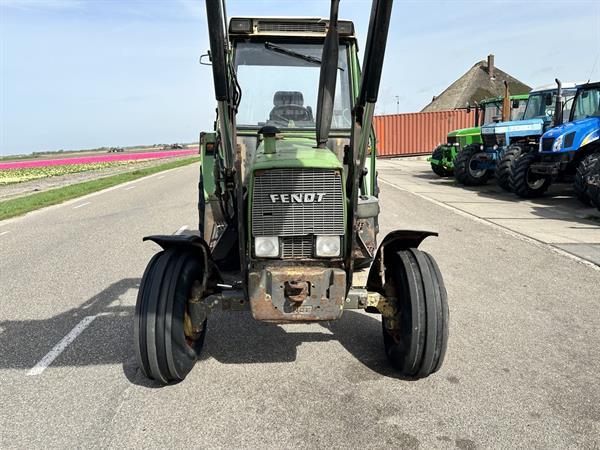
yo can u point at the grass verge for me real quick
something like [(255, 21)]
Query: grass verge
[(22, 205)]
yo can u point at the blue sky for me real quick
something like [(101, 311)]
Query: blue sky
[(89, 73)]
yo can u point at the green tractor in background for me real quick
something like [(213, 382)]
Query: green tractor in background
[(487, 111)]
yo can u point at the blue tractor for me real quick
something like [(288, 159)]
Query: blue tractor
[(504, 142), (568, 151)]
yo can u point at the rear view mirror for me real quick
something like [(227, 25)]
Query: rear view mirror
[(515, 104), (206, 59), (548, 99), (468, 108), (585, 94)]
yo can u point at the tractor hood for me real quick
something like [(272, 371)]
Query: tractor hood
[(515, 127), (466, 132), (293, 152), (572, 135), (579, 126)]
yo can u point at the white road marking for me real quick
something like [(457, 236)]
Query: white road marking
[(4, 232), (130, 187), (181, 230), (83, 204), (161, 177), (61, 346)]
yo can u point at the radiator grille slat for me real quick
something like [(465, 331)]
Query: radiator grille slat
[(297, 246), (291, 27), (547, 144), (297, 219)]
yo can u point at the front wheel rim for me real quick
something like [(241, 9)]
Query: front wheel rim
[(534, 183), (475, 173)]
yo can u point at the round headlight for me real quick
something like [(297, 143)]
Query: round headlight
[(266, 246), (328, 246)]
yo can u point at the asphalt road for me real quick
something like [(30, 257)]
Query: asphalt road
[(521, 369)]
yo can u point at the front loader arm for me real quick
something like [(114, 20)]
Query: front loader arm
[(363, 113)]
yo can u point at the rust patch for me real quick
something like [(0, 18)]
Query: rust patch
[(297, 294), (296, 291)]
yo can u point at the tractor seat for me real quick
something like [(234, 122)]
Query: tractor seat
[(289, 106)]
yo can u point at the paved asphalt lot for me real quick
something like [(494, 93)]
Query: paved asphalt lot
[(521, 369)]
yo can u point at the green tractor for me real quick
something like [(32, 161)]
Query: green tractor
[(487, 111), (288, 202)]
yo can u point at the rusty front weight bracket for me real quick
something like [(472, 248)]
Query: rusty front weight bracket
[(199, 308), (360, 298)]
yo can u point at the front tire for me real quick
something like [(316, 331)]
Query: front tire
[(580, 184), (464, 172), (523, 182), (166, 347), (505, 166), (416, 337), (439, 169)]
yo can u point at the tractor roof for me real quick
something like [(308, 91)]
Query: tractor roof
[(590, 84), (286, 26), (552, 86), (499, 99)]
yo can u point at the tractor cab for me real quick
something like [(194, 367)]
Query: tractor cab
[(277, 63), (583, 127), (538, 116)]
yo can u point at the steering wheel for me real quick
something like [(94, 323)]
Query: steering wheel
[(299, 113)]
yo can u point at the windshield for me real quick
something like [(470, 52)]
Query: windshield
[(542, 104), (587, 104), (517, 113), (492, 111), (280, 83)]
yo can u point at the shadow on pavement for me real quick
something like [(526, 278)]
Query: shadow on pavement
[(232, 337), (25, 342), (559, 203)]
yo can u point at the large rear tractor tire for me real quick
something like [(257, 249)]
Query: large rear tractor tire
[(166, 344), (593, 182), (416, 336), (582, 173), (464, 170), (505, 165), (524, 183), (439, 169)]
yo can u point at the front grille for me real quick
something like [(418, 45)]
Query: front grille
[(291, 27), (547, 144), (452, 140), (277, 218), (489, 140), (569, 138), (501, 140), (297, 246)]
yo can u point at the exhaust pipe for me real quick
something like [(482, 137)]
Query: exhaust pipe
[(506, 104), (558, 109)]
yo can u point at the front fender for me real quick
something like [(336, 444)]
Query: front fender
[(194, 244), (394, 241)]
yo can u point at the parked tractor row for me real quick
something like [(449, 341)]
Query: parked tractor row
[(554, 139)]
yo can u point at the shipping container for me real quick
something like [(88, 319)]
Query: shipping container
[(417, 133)]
